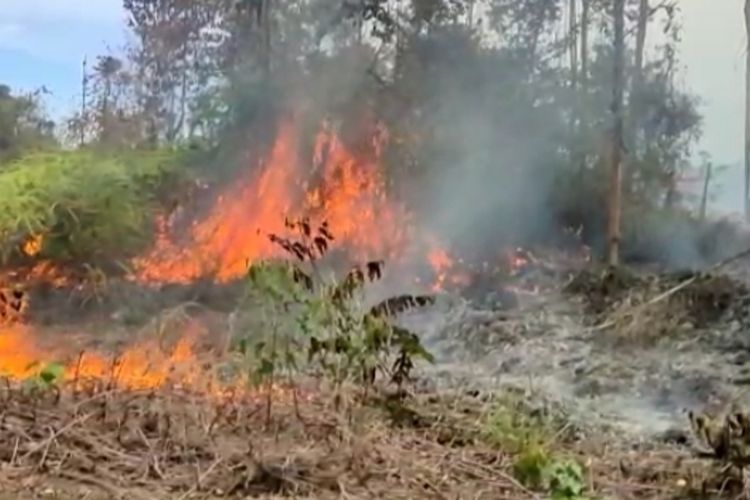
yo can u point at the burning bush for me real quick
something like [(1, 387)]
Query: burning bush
[(80, 205)]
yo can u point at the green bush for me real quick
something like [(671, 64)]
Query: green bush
[(299, 320), (84, 206)]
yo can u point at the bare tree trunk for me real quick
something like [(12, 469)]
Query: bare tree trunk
[(266, 27), (704, 197), (644, 12), (615, 202), (84, 90), (747, 112), (585, 15), (573, 41), (573, 48)]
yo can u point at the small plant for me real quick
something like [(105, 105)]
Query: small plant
[(46, 376), (529, 438), (302, 313), (565, 480), (726, 440)]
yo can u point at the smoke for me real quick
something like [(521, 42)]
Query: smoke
[(481, 137)]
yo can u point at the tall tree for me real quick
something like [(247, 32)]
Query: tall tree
[(573, 41), (106, 71), (174, 56), (585, 18), (616, 140), (747, 111), (23, 124), (637, 86)]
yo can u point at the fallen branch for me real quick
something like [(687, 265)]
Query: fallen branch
[(668, 293)]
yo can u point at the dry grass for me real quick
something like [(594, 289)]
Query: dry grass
[(170, 444)]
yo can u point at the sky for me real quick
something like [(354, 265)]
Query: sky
[(43, 42)]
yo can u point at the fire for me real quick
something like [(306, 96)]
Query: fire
[(33, 245), (518, 260), (447, 270), (441, 264), (142, 366), (350, 195)]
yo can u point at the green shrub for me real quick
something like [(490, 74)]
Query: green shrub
[(83, 205), (296, 317)]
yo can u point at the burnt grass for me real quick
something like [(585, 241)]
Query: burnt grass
[(93, 440)]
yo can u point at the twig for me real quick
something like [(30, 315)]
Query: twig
[(111, 489), (200, 479), (55, 435), (15, 451), (502, 475), (676, 288)]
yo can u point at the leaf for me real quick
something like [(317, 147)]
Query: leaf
[(396, 305), (52, 373), (266, 367), (274, 278)]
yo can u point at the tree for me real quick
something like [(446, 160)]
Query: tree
[(615, 208), (585, 21), (23, 124), (106, 71), (174, 58), (747, 111)]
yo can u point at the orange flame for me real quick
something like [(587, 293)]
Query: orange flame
[(351, 197), (142, 366), (33, 245), (441, 264)]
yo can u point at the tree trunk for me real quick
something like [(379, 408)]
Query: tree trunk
[(84, 90), (615, 209), (585, 14), (704, 197), (637, 88), (573, 41), (747, 112), (266, 30), (574, 112), (644, 11)]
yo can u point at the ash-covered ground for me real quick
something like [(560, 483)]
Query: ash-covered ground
[(633, 353), (582, 338)]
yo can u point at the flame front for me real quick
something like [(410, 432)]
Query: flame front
[(142, 366), (350, 196), (338, 184)]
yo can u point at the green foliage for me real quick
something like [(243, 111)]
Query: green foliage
[(566, 481), (529, 438), (52, 373), (275, 346), (46, 376), (322, 320), (85, 205)]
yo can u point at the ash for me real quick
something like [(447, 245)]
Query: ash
[(598, 352)]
